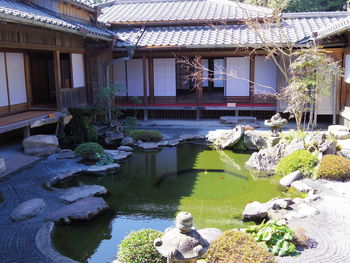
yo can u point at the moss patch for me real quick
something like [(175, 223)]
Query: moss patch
[(145, 135), (334, 167)]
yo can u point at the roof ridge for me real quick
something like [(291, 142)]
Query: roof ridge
[(316, 14)]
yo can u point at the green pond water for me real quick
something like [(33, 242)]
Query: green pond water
[(152, 187)]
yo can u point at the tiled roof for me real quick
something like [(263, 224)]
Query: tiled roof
[(334, 28), (136, 11), (15, 11), (291, 30)]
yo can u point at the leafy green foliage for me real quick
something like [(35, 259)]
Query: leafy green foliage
[(334, 167), (104, 159), (89, 150), (240, 146), (275, 237), (293, 134), (80, 129), (138, 247), (145, 135), (301, 160), (301, 5), (130, 122), (237, 246)]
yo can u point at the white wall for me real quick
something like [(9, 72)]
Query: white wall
[(164, 77), (119, 75), (240, 67), (135, 77), (78, 70), (16, 78), (266, 75), (347, 69), (3, 83)]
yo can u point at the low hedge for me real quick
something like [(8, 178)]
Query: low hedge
[(145, 135), (138, 247), (334, 167), (89, 150), (237, 246), (301, 160)]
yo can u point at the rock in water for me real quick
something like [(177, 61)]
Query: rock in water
[(82, 210), (253, 141), (76, 193), (255, 211), (263, 161), (113, 138), (28, 209), (226, 139), (41, 145)]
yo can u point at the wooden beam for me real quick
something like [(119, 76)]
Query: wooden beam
[(28, 81), (7, 84), (252, 79), (151, 79), (58, 79), (199, 85), (144, 70)]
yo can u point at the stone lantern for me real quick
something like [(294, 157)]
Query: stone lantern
[(182, 243), (276, 123)]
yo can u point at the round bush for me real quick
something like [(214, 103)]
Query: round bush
[(301, 160), (236, 246), (89, 150), (334, 167), (138, 247), (146, 135)]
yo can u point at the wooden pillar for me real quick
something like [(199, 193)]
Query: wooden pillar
[(211, 76), (252, 79), (199, 85), (151, 79), (144, 70), (58, 79)]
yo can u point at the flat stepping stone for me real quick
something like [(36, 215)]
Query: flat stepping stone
[(125, 148), (102, 170), (66, 154), (119, 155), (82, 210), (190, 137), (74, 194), (28, 209), (149, 145)]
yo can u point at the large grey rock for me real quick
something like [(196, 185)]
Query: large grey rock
[(28, 209), (82, 210), (2, 165), (148, 145), (255, 211), (315, 139), (237, 120), (128, 141), (113, 138), (295, 145), (41, 145), (253, 141), (329, 147), (210, 234), (190, 137), (290, 178), (263, 161), (125, 148), (226, 139), (76, 193), (301, 187)]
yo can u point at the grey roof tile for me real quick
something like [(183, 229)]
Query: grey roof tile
[(18, 10), (123, 11), (236, 35)]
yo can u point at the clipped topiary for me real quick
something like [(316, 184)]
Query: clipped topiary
[(301, 160), (237, 246), (89, 151), (334, 167), (146, 135), (138, 247)]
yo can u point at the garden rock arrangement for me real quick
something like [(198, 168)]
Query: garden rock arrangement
[(74, 194), (339, 132), (41, 145), (82, 210), (28, 209), (226, 139)]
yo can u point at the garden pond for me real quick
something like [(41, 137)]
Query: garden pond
[(152, 187)]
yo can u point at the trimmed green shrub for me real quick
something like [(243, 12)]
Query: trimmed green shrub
[(138, 247), (237, 246), (89, 151), (334, 167), (146, 135), (80, 129), (301, 160), (275, 237)]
